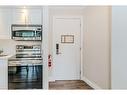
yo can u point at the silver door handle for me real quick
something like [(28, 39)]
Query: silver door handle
[(57, 49)]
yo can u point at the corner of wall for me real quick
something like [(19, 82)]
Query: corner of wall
[(90, 83)]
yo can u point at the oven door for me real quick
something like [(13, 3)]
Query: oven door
[(25, 74)]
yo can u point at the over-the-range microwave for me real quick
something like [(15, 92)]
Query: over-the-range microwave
[(26, 32)]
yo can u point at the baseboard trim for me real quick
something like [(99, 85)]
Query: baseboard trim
[(90, 83)]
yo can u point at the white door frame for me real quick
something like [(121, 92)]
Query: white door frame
[(81, 39)]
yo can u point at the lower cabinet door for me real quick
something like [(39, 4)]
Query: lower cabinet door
[(3, 74)]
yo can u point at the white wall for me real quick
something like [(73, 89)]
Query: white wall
[(45, 46), (97, 47), (119, 47)]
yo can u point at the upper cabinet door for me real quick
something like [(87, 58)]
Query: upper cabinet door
[(5, 23), (35, 16), (18, 16), (27, 16)]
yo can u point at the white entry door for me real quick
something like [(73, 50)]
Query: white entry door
[(66, 48)]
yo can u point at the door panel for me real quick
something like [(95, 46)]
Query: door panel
[(66, 48)]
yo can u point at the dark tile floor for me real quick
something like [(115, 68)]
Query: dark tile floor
[(26, 80), (68, 85)]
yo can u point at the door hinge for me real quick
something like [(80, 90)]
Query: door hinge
[(80, 72), (80, 48)]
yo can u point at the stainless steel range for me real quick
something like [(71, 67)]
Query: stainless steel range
[(25, 68)]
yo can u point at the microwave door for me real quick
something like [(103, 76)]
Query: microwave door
[(29, 32), (28, 35), (23, 35), (17, 35)]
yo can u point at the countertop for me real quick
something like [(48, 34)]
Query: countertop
[(5, 57)]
